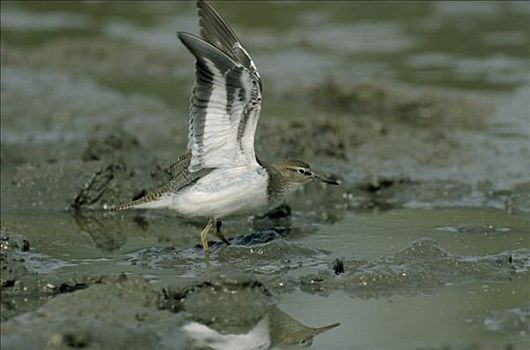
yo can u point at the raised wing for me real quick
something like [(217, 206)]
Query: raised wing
[(226, 98), (217, 32)]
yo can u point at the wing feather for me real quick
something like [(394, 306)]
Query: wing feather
[(216, 31), (225, 106)]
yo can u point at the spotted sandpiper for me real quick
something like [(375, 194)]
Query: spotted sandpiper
[(219, 175)]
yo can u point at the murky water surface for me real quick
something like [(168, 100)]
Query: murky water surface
[(421, 108), (469, 277)]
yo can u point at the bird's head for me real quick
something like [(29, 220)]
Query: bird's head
[(298, 172)]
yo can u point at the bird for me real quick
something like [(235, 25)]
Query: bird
[(275, 329), (219, 175)]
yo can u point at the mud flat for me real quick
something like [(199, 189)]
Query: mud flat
[(429, 234)]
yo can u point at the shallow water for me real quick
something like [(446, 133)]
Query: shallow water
[(417, 312), (450, 317), (421, 108), (474, 232)]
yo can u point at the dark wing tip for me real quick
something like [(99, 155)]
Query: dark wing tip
[(202, 49), (193, 42), (186, 37), (216, 31), (201, 4)]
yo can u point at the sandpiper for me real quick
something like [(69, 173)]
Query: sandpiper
[(219, 175)]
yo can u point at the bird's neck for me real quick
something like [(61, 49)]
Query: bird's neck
[(278, 187)]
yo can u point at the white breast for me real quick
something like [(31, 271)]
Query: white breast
[(222, 193)]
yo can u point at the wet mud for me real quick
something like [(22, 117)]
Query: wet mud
[(429, 229)]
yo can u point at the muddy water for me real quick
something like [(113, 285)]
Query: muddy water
[(421, 109)]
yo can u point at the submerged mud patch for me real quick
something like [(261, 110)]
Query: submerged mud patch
[(273, 255), (422, 267), (23, 287), (515, 321)]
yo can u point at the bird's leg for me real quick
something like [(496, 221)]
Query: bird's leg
[(218, 233), (204, 235)]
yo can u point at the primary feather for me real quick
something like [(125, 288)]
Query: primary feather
[(224, 111)]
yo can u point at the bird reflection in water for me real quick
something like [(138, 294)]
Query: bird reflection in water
[(100, 230), (275, 329)]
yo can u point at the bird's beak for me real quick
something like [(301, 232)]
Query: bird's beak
[(326, 179), (321, 330)]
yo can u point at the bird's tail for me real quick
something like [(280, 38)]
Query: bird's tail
[(149, 200)]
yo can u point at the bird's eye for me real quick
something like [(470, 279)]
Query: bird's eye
[(301, 171)]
